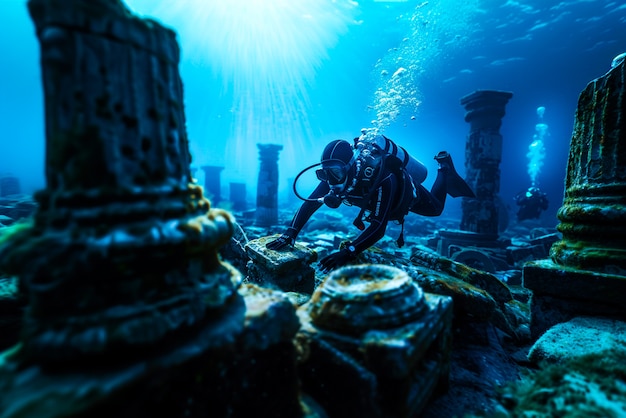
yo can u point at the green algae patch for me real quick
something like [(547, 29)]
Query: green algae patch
[(588, 386), (15, 232)]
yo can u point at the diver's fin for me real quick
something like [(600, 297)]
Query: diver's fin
[(455, 185)]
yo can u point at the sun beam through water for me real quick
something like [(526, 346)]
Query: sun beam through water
[(266, 54)]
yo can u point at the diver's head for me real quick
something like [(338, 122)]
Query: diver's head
[(337, 160)]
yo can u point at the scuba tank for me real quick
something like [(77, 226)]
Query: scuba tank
[(403, 159)]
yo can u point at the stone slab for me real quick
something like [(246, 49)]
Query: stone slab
[(547, 311), (279, 262), (544, 277)]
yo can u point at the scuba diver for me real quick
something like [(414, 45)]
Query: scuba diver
[(531, 203), (383, 180)]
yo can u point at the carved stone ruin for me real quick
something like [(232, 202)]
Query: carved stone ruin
[(483, 152), (130, 310), (289, 271), (587, 271), (267, 185), (373, 343)]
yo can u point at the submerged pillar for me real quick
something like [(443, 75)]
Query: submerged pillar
[(587, 271), (593, 215), (483, 152), (267, 186), (123, 280), (119, 223), (212, 183)]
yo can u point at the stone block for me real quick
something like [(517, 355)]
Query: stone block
[(561, 293), (289, 270), (388, 369), (544, 277), (224, 370)]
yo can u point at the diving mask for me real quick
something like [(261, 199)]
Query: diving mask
[(333, 174)]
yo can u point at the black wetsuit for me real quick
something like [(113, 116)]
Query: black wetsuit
[(390, 200)]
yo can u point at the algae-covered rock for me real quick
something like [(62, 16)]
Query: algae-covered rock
[(578, 337), (468, 299), (476, 293), (486, 281), (588, 386)]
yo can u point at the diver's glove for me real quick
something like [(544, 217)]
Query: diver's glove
[(337, 259), (286, 239)]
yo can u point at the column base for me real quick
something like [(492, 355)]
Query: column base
[(561, 293)]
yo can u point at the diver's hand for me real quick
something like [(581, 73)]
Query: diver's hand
[(286, 239), (335, 260)]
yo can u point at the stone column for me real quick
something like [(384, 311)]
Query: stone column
[(593, 215), (267, 186), (238, 196), (483, 152), (212, 183), (587, 271), (119, 224), (120, 268)]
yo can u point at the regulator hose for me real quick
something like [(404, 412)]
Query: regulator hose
[(295, 181)]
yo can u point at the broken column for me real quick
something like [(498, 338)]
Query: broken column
[(587, 271), (130, 310), (267, 186), (212, 183), (483, 152), (122, 244), (373, 343)]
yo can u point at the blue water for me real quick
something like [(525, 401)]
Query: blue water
[(301, 73)]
